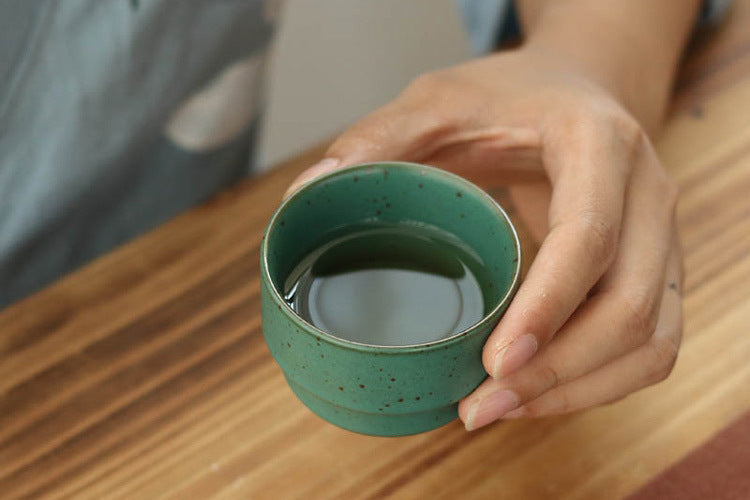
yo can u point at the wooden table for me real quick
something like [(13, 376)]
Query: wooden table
[(145, 375)]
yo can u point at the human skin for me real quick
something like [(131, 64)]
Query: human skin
[(564, 121)]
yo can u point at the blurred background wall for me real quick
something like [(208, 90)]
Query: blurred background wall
[(335, 60)]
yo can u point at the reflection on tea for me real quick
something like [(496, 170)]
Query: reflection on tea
[(389, 286)]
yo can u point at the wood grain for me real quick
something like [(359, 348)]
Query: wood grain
[(145, 376)]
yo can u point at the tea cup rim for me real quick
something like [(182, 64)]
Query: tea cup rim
[(428, 170)]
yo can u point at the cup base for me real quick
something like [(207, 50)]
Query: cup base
[(375, 424)]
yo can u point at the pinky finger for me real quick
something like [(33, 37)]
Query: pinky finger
[(647, 365)]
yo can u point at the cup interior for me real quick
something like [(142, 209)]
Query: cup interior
[(403, 194)]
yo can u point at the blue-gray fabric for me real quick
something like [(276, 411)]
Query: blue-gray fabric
[(87, 88), (483, 20)]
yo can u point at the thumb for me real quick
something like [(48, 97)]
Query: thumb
[(390, 133)]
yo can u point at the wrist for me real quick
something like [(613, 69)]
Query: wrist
[(619, 80), (622, 47)]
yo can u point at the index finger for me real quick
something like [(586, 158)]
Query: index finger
[(588, 170)]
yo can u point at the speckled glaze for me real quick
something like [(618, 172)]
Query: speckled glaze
[(380, 390)]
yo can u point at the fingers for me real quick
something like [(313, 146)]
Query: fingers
[(621, 316), (636, 277), (588, 169), (393, 132), (641, 368), (647, 365), (589, 362), (532, 201)]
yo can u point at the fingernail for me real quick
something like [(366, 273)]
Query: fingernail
[(490, 408), (322, 167), (511, 357)]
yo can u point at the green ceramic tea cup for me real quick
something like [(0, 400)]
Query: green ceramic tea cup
[(375, 389)]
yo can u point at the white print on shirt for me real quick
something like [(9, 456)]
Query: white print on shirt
[(221, 111)]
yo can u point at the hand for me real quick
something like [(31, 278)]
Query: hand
[(599, 313)]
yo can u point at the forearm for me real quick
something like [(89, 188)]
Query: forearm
[(630, 47)]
